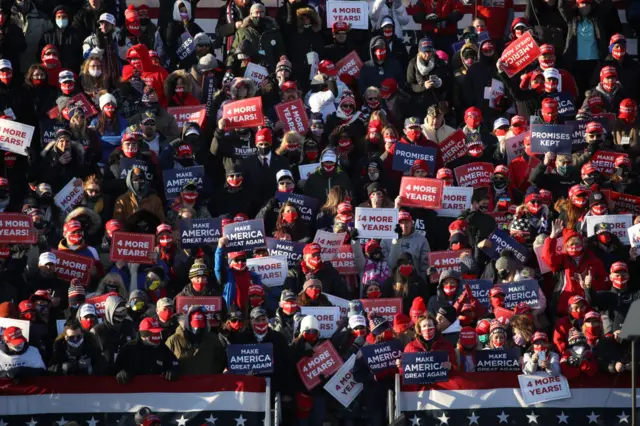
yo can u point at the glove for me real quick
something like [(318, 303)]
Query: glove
[(123, 377), (353, 234), (612, 368), (398, 230), (359, 342), (68, 368), (431, 270), (170, 375), (573, 361), (432, 17)]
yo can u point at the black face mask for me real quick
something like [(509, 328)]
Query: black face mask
[(483, 209), (186, 162), (499, 183), (264, 150), (256, 21), (119, 316), (40, 224), (589, 180), (376, 255), (45, 199), (92, 198), (503, 273)]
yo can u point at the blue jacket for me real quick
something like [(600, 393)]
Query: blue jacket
[(229, 281)]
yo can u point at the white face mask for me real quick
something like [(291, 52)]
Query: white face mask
[(62, 23), (95, 72), (17, 348), (579, 350)]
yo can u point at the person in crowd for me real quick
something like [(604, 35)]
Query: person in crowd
[(541, 357), (76, 353), (19, 358)]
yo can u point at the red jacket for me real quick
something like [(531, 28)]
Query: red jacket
[(439, 344), (425, 143), (519, 171), (152, 75), (442, 8), (561, 333), (588, 366), (186, 100), (495, 17)]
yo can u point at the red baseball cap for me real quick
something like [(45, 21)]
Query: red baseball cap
[(388, 87), (468, 336), (404, 215), (288, 85), (594, 127), (340, 27), (311, 249), (151, 325), (198, 320), (575, 299), (444, 173), (235, 254), (619, 267), (13, 336), (328, 68)]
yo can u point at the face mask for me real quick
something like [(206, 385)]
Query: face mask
[(358, 333), (592, 329), (472, 121), (313, 293), (374, 294), (165, 315), (109, 110), (17, 348), (289, 308), (256, 20), (5, 77), (574, 251), (386, 335), (311, 155), (136, 305), (428, 333), (599, 209), (499, 183), (95, 72), (130, 151), (562, 170), (503, 274), (62, 22), (179, 90), (310, 337), (255, 302), (260, 328), (290, 217), (456, 246), (475, 150), (468, 62), (190, 197), (575, 314), (184, 16), (550, 86), (484, 338), (534, 208), (136, 63), (539, 348), (547, 63), (497, 302), (75, 343), (314, 262), (498, 345), (75, 239), (405, 270), (199, 286), (619, 283), (387, 32), (604, 238), (153, 284), (139, 187), (239, 265), (449, 289), (234, 182), (608, 85), (618, 52), (380, 54), (87, 323), (317, 131), (413, 134), (579, 202), (119, 315), (154, 339), (519, 340), (37, 82), (237, 325), (579, 350), (265, 150)]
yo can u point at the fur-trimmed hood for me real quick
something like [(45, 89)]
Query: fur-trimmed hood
[(176, 9), (316, 22), (170, 83), (80, 213), (241, 80), (115, 277), (269, 23)]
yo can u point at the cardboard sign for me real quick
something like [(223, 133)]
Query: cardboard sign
[(519, 54), (306, 205), (501, 240), (341, 303), (423, 193), (446, 260), (376, 223), (254, 358), (189, 114), (405, 155), (525, 291), (634, 236), (293, 115), (544, 268), (342, 386), (23, 325), (514, 146), (256, 72), (187, 46), (350, 65), (245, 235), (541, 387), (325, 360), (15, 137), (423, 368), (578, 142), (175, 179), (355, 13), (210, 304), (200, 232), (494, 360), (128, 164), (290, 250), (382, 356), (455, 199), (272, 270), (620, 203), (69, 196), (132, 247), (99, 302), (479, 289), (566, 107), (72, 266), (551, 138), (327, 316), (604, 161), (475, 175), (306, 169), (385, 307), (503, 219), (17, 228), (330, 243), (244, 113), (80, 101), (453, 147), (345, 261), (209, 84), (617, 224)]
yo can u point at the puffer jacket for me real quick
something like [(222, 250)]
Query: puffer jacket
[(416, 244), (269, 40), (186, 99)]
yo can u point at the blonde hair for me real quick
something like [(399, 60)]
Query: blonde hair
[(291, 136)]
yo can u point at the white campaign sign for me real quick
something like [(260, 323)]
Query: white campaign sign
[(306, 169), (514, 146), (454, 200), (342, 386), (544, 268), (271, 269), (69, 196), (15, 137), (618, 225), (497, 89), (21, 324), (341, 303), (634, 236), (376, 223), (330, 244), (355, 13), (256, 72), (327, 317), (541, 387)]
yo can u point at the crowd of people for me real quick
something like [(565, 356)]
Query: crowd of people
[(95, 79)]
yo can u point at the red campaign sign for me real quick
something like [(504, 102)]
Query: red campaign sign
[(503, 314), (98, 302), (453, 147), (604, 161), (387, 308), (193, 114), (293, 115), (609, 116), (519, 54), (211, 305), (325, 360), (132, 247), (503, 219), (81, 101), (475, 175), (244, 113), (423, 193), (624, 203), (445, 260), (71, 265), (350, 65), (17, 228), (345, 261)]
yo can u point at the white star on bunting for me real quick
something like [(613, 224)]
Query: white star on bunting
[(562, 418), (623, 418), (473, 420), (533, 418), (503, 417)]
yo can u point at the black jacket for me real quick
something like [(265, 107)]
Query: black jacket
[(68, 41), (261, 179), (13, 43), (283, 367), (87, 360), (332, 281), (557, 184), (85, 21), (138, 358), (571, 46)]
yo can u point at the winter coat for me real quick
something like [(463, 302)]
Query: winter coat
[(448, 11), (283, 324), (373, 74), (130, 203), (416, 80), (85, 21), (332, 282), (138, 358), (230, 13), (416, 244), (602, 39), (559, 185), (173, 38), (113, 338), (531, 367), (226, 278), (34, 24), (268, 40), (588, 366), (301, 41), (398, 12), (13, 43), (438, 344), (611, 101), (261, 179), (612, 303), (88, 363), (166, 123), (51, 170), (26, 364), (173, 99)]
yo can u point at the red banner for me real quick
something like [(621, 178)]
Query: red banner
[(424, 193), (293, 115), (453, 147), (503, 315), (81, 101), (387, 308), (132, 247), (17, 228), (445, 260), (211, 304), (98, 302), (193, 114), (604, 161), (503, 219), (475, 175), (624, 203), (519, 54), (244, 113), (325, 360), (71, 265), (350, 65), (345, 261)]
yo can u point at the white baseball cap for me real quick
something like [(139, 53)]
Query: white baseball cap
[(500, 122), (87, 309), (65, 76), (107, 17), (5, 63), (551, 73), (328, 156), (283, 173), (47, 257)]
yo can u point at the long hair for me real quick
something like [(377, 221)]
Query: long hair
[(282, 228), (32, 69), (337, 195), (103, 120), (573, 213), (289, 137), (89, 83)]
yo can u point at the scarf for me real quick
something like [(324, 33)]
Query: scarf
[(423, 68)]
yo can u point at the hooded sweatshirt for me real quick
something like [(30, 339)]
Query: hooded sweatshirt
[(152, 75), (373, 74)]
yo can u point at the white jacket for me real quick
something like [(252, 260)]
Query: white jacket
[(29, 358), (530, 367), (379, 10)]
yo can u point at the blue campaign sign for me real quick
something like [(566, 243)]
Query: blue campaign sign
[(479, 289), (48, 128), (423, 368), (256, 358), (126, 164), (174, 179), (551, 138), (526, 291), (108, 144), (245, 235), (187, 46), (199, 232), (289, 249), (306, 205), (492, 360), (382, 356), (566, 107), (406, 154), (501, 240), (578, 142), (481, 37)]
